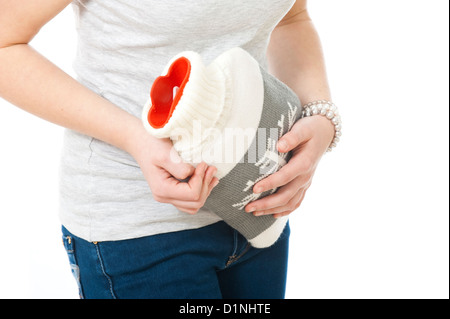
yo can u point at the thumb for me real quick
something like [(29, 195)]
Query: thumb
[(295, 137), (176, 167)]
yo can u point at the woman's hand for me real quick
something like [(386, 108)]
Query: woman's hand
[(163, 170), (308, 140)]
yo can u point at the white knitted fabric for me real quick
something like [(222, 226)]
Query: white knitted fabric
[(214, 98)]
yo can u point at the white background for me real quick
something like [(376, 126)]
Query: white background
[(375, 222)]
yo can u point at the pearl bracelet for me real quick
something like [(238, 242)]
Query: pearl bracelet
[(329, 110)]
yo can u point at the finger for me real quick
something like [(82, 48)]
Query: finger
[(192, 207), (298, 165), (298, 135), (289, 206), (207, 187), (172, 188), (195, 183), (214, 183), (176, 167), (210, 173), (280, 198)]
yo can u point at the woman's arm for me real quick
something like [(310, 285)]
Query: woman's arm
[(295, 57), (34, 84)]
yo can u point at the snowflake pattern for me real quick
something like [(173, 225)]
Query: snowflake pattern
[(272, 160)]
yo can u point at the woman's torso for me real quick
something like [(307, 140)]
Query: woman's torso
[(123, 46)]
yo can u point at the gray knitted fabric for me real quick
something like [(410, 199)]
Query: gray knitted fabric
[(279, 108)]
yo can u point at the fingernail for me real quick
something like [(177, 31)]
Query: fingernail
[(257, 214), (216, 183), (282, 145), (257, 189), (250, 210)]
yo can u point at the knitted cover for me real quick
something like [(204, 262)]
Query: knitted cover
[(229, 114)]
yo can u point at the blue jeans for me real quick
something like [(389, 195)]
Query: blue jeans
[(211, 262)]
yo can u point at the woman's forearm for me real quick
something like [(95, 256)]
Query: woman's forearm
[(34, 84), (31, 82), (296, 58)]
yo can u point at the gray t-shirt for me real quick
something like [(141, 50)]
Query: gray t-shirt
[(123, 45)]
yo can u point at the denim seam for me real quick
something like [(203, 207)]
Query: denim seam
[(104, 272), (235, 257), (69, 246), (236, 242)]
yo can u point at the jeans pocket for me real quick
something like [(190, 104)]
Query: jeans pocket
[(69, 246)]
